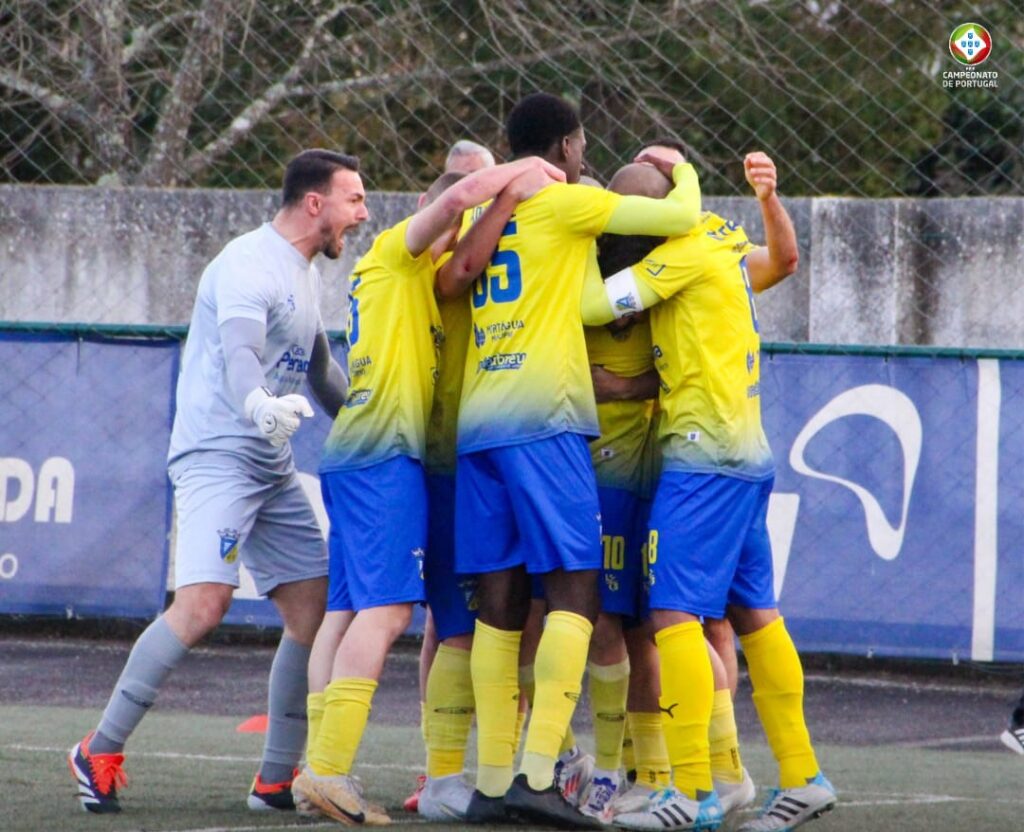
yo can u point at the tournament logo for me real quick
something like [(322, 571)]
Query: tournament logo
[(970, 44), (228, 545)]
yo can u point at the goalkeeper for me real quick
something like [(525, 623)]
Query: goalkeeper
[(255, 339)]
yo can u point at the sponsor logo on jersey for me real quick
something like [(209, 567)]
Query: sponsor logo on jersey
[(754, 390), (723, 231), (359, 366), (750, 361), (294, 360), (503, 329), (502, 361), (228, 544), (479, 336), (357, 398)]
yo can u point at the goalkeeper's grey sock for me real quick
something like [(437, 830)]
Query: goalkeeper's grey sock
[(286, 712), (155, 654)]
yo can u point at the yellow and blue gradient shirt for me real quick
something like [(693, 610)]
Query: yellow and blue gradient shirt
[(527, 375), (707, 351), (619, 453), (394, 335)]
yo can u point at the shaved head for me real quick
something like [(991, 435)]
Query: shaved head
[(640, 180)]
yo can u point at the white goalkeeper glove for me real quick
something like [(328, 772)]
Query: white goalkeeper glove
[(277, 417)]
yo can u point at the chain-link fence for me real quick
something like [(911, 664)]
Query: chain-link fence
[(897, 470), (852, 97)]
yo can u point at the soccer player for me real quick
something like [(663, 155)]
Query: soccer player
[(708, 549), (467, 157), (373, 480), (526, 500), (255, 339), (464, 157)]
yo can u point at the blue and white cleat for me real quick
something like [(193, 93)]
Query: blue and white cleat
[(1013, 738), (670, 809), (786, 809)]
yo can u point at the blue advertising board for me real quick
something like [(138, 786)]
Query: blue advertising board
[(895, 519), (84, 498)]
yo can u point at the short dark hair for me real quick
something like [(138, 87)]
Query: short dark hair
[(616, 252), (312, 170), (539, 121)]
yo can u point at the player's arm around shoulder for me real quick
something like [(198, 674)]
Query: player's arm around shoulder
[(780, 257), (672, 216), (437, 217), (476, 247)]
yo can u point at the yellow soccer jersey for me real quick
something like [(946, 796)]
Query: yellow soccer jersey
[(457, 323), (708, 352), (527, 374), (618, 454), (394, 335)]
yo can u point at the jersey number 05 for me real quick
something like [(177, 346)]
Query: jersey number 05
[(503, 263)]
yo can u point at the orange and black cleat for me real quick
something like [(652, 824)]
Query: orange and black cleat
[(99, 776), (278, 796)]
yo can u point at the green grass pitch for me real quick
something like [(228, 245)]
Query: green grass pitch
[(192, 773)]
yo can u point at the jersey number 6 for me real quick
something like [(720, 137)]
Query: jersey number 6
[(489, 283)]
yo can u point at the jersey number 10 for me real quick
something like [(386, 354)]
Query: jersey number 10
[(489, 285)]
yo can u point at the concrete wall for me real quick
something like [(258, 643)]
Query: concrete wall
[(944, 272)]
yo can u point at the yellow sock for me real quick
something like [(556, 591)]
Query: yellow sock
[(726, 765), (346, 710), (652, 766), (423, 721), (561, 659), (448, 711), (778, 681), (520, 722), (529, 689), (687, 694), (608, 687), (628, 757), (494, 664), (314, 715)]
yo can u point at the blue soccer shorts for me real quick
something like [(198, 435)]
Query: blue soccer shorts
[(451, 597), (533, 505), (378, 536), (708, 544), (623, 534)]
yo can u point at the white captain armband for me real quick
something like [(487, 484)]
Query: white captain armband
[(623, 293)]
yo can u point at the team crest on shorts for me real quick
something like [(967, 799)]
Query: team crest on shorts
[(228, 545), (468, 587), (418, 554), (611, 581)]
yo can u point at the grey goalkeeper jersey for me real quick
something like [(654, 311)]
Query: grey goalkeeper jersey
[(262, 277)]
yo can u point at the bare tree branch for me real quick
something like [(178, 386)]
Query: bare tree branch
[(170, 138)]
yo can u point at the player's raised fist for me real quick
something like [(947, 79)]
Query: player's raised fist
[(761, 174)]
